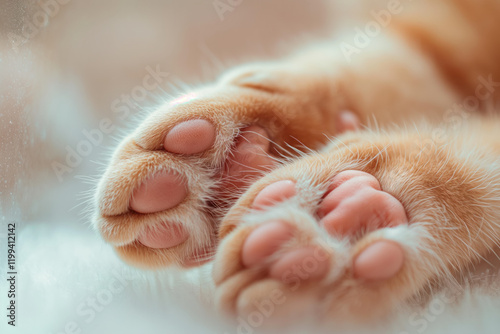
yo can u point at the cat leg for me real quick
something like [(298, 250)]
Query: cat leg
[(372, 224)]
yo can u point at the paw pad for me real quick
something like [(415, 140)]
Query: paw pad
[(190, 137)]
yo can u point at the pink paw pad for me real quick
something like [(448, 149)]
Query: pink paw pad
[(354, 203), (306, 263), (264, 241), (379, 261), (267, 238), (251, 152), (161, 192), (357, 203), (163, 236), (165, 190), (249, 158), (274, 193), (190, 137)]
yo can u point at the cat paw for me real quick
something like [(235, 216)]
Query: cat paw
[(371, 225), (169, 183), (288, 247), (159, 205)]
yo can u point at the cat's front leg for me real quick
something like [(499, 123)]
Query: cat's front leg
[(376, 222)]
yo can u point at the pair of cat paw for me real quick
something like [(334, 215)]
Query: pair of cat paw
[(336, 231), (169, 183)]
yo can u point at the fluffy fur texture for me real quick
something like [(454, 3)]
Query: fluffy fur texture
[(446, 175), (444, 239), (444, 170)]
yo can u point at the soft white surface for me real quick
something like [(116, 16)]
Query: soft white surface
[(62, 269)]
